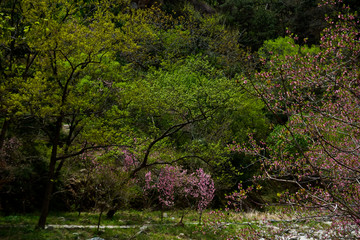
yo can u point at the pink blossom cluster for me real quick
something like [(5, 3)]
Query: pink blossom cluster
[(174, 183), (126, 162), (129, 161)]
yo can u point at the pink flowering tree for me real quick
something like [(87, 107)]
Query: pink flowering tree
[(174, 184), (318, 94)]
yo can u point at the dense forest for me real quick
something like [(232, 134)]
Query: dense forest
[(114, 104)]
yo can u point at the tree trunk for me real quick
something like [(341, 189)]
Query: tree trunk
[(3, 132), (47, 195), (99, 220), (200, 215), (51, 176), (182, 218), (110, 214)]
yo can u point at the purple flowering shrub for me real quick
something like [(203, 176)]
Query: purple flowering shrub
[(174, 183)]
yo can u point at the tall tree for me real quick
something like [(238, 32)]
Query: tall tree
[(61, 76)]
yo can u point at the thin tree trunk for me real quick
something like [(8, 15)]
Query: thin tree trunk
[(200, 215), (182, 218), (3, 132), (99, 220), (162, 214)]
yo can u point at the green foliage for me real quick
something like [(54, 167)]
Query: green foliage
[(81, 76), (172, 36), (257, 20), (290, 145), (284, 46), (192, 90), (261, 20)]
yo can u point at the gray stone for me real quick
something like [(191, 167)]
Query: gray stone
[(181, 236), (49, 228), (143, 228)]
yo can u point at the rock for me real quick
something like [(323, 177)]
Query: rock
[(49, 228), (76, 235), (181, 236), (143, 228), (96, 238), (61, 219)]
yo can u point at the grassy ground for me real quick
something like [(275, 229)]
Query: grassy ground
[(147, 225), (23, 226)]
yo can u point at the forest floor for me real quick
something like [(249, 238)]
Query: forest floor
[(132, 224)]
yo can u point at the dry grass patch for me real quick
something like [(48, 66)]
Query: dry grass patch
[(257, 216)]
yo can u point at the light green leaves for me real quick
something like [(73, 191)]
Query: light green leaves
[(284, 46)]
